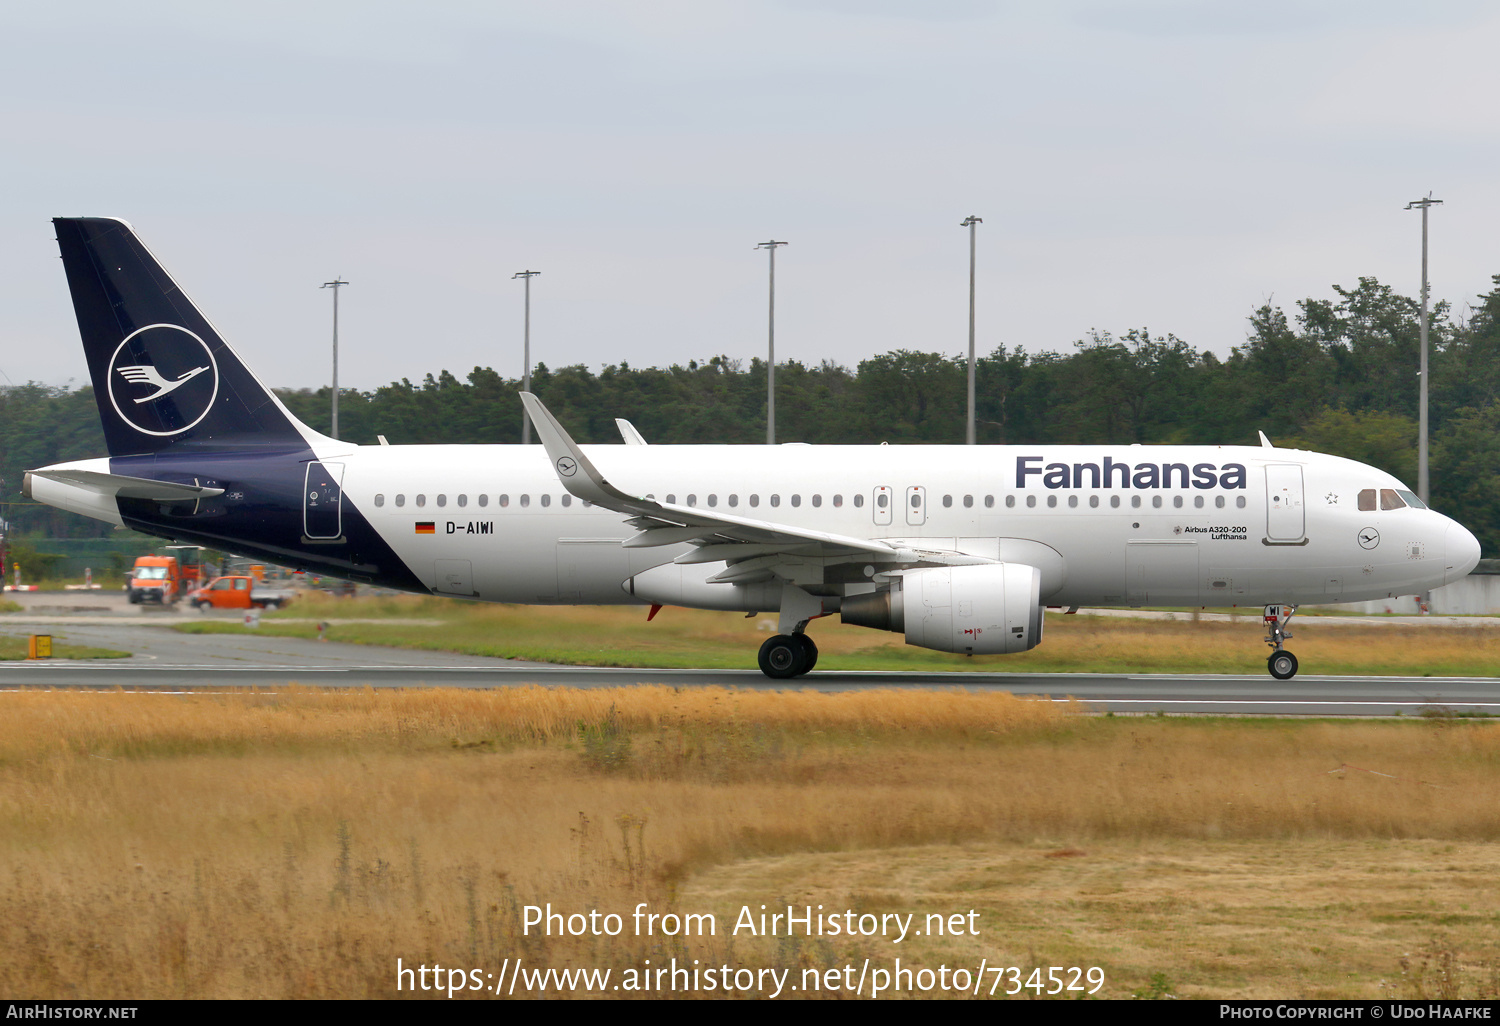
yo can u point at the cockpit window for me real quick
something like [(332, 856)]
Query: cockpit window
[(1389, 499), (1367, 499), (1411, 499)]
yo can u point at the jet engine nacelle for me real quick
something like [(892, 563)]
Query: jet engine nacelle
[(977, 610)]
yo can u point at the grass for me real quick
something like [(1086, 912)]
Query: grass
[(15, 648), (295, 844), (620, 636)]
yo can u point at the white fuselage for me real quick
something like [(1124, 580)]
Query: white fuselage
[(1285, 526)]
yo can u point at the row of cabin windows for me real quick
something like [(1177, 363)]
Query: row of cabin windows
[(1366, 500), (482, 500), (754, 500), (1157, 501)]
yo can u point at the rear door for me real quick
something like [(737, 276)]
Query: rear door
[(323, 500)]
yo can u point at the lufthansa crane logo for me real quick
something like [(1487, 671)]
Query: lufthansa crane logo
[(567, 466), (163, 379)]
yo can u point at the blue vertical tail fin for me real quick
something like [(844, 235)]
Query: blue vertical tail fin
[(163, 377)]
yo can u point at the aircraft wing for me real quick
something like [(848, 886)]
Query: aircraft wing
[(753, 548)]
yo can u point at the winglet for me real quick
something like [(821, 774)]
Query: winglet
[(574, 470), (629, 433), (1265, 443)]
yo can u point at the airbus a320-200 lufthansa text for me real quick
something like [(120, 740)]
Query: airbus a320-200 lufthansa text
[(958, 548)]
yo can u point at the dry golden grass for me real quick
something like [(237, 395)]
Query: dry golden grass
[(296, 844)]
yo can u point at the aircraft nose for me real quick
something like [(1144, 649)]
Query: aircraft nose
[(1463, 553)]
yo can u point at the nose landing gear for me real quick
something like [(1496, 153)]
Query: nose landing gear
[(1281, 663)]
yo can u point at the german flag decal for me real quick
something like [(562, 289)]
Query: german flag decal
[(426, 527)]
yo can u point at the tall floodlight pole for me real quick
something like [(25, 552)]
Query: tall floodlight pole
[(771, 347), (336, 284), (969, 223), (526, 353), (1422, 401)]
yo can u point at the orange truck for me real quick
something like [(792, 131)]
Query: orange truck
[(236, 592), (154, 579)]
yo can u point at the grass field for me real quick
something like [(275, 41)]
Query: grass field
[(15, 648), (295, 844), (620, 636)]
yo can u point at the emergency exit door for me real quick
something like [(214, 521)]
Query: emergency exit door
[(916, 506)]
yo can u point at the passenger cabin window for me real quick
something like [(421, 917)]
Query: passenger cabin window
[(1051, 501), (796, 500), (525, 500), (1031, 501), (546, 500), (1239, 501), (947, 501), (692, 500), (379, 500), (672, 498), (817, 501), (775, 499), (1218, 502), (504, 501), (755, 500), (734, 500), (484, 500), (566, 500), (1198, 502), (442, 500), (859, 501), (713, 500), (1135, 502), (1010, 502), (400, 499), (1114, 502), (421, 500), (989, 501), (1072, 502), (463, 500), (838, 500), (968, 502)]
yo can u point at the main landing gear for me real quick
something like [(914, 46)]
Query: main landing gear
[(1281, 663), (788, 655)]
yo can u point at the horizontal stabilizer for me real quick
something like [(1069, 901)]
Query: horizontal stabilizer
[(122, 487)]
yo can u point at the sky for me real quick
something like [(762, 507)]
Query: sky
[(1164, 164)]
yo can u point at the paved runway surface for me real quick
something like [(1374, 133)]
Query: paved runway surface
[(166, 660)]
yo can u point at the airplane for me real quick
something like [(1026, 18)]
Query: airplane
[(958, 548)]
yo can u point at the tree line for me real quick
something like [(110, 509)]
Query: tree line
[(1335, 375)]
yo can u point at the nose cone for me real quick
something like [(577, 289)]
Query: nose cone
[(1463, 553)]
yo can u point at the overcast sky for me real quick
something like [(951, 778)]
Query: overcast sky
[(1170, 165)]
